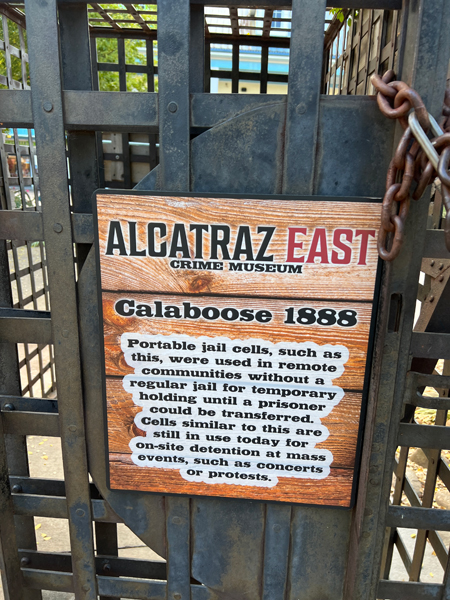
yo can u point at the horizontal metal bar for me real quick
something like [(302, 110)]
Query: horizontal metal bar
[(386, 4), (83, 228), (107, 586), (430, 345), (40, 506), (435, 244), (30, 423), (208, 110), (418, 518), (41, 487), (408, 590), (48, 580), (41, 405), (133, 111), (417, 380), (21, 225), (424, 436), (16, 108), (429, 402), (117, 567), (25, 326)]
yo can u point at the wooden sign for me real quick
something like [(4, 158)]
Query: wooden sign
[(236, 343)]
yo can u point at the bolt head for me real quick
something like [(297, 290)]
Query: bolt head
[(24, 561), (47, 106), (80, 512), (57, 227), (172, 107), (72, 428), (176, 520), (8, 407), (16, 489), (176, 596), (431, 298)]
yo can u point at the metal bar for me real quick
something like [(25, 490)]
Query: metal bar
[(29, 404), (50, 139), (408, 590), (303, 100), (40, 506), (21, 225), (424, 436), (178, 547), (22, 326), (30, 423), (418, 518), (197, 49), (276, 555), (430, 345), (173, 68)]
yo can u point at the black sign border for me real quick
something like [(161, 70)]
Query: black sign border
[(370, 346)]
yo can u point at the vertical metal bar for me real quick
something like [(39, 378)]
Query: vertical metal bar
[(303, 95), (235, 68), (150, 66), (174, 155), (106, 543), (173, 78), (50, 138), (197, 49), (178, 548), (276, 553), (264, 69), (208, 67), (425, 67)]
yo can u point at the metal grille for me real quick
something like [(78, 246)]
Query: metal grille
[(20, 191), (213, 548), (359, 43)]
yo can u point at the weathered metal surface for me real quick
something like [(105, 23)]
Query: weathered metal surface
[(231, 548)]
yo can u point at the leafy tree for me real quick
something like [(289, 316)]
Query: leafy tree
[(135, 53)]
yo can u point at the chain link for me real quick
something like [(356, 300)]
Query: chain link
[(417, 159)]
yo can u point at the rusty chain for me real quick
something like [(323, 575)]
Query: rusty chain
[(418, 159)]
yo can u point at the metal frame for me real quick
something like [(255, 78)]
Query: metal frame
[(305, 143)]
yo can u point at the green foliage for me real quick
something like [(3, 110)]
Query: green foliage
[(135, 52), (16, 63), (339, 14)]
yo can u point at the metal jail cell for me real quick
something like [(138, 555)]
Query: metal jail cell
[(303, 143)]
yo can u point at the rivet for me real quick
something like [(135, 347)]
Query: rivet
[(431, 298), (57, 227), (368, 512), (172, 107), (16, 489), (107, 567), (86, 587), (301, 108), (9, 407), (176, 596), (276, 528), (441, 266), (432, 263), (441, 278), (47, 106), (72, 428), (65, 333), (80, 512), (374, 481), (366, 534), (117, 156), (176, 520), (25, 561), (373, 469)]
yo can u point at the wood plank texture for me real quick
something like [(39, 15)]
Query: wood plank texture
[(354, 337), (336, 281)]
